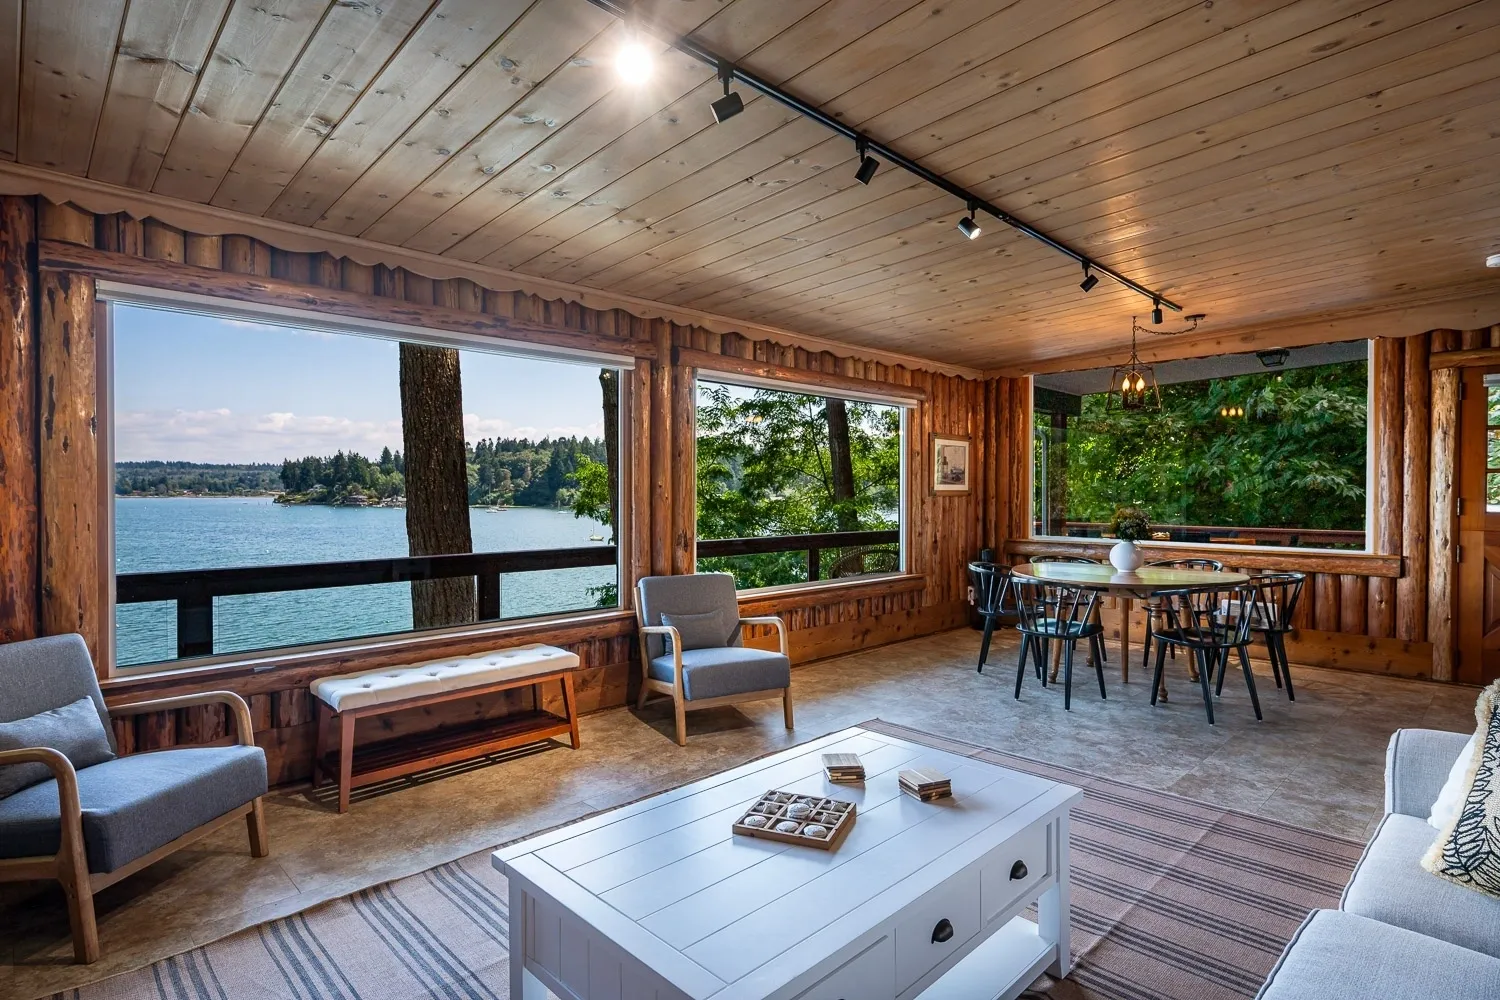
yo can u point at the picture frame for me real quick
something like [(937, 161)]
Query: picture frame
[(951, 471)]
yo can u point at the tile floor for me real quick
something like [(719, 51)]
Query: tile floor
[(1317, 762)]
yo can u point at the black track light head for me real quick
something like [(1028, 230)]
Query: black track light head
[(867, 167), (1156, 312), (730, 104), (727, 107), (1089, 279), (968, 226)]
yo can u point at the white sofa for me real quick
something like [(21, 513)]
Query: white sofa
[(1400, 933)]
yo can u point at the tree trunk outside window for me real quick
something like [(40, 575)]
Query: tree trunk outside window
[(609, 382), (437, 480)]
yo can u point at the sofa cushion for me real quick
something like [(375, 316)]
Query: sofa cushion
[(72, 730), (1391, 886), (1341, 956), (1451, 795), (703, 631), (726, 670), (1467, 851), (345, 692), (133, 805)]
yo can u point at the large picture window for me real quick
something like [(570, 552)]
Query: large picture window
[(1250, 449), (794, 487), (279, 486)]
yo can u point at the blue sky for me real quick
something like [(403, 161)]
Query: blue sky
[(201, 389)]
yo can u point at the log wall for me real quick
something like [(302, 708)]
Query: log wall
[(53, 434)]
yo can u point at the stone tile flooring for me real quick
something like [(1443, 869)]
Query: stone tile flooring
[(1317, 762)]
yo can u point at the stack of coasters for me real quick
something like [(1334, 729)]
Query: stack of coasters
[(844, 768), (925, 783)]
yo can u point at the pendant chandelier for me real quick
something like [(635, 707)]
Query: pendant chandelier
[(1133, 386)]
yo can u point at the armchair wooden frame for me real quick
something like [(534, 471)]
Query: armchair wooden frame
[(674, 688), (70, 864)]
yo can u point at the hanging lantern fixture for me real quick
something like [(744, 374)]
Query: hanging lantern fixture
[(1133, 386)]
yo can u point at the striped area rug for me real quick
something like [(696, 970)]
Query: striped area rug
[(1173, 899)]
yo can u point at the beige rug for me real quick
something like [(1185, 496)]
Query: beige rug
[(1173, 899)]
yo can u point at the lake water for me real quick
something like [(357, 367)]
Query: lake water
[(211, 533)]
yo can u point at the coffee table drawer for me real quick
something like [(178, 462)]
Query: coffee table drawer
[(935, 927), (1013, 870), (867, 976)]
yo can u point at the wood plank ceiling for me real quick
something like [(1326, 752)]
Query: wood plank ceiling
[(1253, 159)]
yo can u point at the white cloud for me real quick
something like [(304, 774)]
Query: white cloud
[(222, 435)]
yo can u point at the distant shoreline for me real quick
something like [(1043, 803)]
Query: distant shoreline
[(261, 496)]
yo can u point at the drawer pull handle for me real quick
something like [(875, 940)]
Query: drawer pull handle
[(1018, 871), (943, 931)]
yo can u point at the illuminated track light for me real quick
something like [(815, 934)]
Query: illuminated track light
[(968, 226), (730, 104), (634, 62), (1156, 313)]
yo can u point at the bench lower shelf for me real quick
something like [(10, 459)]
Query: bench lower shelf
[(356, 766)]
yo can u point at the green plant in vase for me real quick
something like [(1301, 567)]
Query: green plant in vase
[(1130, 525)]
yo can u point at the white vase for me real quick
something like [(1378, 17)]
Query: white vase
[(1127, 557)]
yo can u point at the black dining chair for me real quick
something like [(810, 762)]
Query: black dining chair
[(991, 582), (1201, 564), (1085, 561), (1208, 624), (1057, 613), (1276, 596)]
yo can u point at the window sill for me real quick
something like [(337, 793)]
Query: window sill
[(768, 600), (1266, 557), (276, 670)]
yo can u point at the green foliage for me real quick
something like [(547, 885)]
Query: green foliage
[(1130, 524), (169, 478), (502, 471), (590, 494), (1296, 459), (764, 469)]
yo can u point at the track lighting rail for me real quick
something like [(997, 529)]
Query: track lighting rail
[(728, 71)]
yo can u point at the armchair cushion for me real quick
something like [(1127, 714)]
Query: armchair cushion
[(691, 594), (1417, 762), (56, 670), (72, 730), (726, 670), (698, 631), (133, 805)]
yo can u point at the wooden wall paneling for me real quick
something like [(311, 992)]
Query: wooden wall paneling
[(1386, 426), (10, 76), (204, 251), (64, 223), (638, 422), (71, 574), (684, 468), (1326, 602), (662, 481), (243, 255), (119, 233), (1353, 601), (20, 399), (1411, 589), (163, 242), (1443, 553)]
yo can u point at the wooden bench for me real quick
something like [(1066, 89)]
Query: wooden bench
[(344, 699)]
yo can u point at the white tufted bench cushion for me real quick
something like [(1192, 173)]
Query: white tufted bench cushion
[(345, 692)]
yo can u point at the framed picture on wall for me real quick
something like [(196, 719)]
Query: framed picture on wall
[(950, 464)]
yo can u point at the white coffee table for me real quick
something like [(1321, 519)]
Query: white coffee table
[(660, 901)]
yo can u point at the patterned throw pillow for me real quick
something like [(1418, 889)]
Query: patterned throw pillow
[(1468, 850)]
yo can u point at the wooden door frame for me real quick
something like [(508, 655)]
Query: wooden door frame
[(1474, 521)]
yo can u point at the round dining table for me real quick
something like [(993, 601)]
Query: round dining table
[(1146, 584)]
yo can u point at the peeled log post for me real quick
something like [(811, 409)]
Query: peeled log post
[(19, 401), (684, 471), (71, 566), (1387, 429), (1443, 566), (662, 425), (1411, 588)]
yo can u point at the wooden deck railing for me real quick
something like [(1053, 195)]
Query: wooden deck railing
[(193, 590), (1229, 535)]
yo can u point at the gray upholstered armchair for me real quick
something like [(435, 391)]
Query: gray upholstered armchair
[(692, 650), (78, 813)]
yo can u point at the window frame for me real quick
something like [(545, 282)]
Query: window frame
[(109, 293), (904, 406), (1028, 442)]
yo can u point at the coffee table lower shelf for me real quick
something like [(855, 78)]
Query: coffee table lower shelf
[(1014, 956)]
